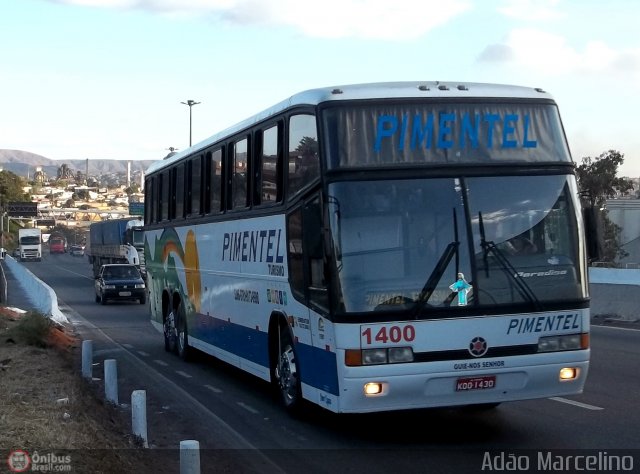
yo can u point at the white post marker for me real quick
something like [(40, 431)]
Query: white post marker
[(87, 359), (139, 415), (189, 457), (111, 381)]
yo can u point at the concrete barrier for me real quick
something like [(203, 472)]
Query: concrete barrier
[(615, 293), (42, 296)]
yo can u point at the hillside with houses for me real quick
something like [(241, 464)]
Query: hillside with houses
[(75, 193)]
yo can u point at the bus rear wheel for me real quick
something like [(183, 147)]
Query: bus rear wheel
[(170, 333), (183, 337), (286, 374)]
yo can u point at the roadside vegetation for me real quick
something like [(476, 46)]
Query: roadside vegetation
[(46, 406)]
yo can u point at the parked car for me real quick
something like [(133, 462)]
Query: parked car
[(76, 250), (120, 281)]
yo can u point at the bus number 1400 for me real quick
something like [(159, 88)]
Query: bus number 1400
[(388, 334)]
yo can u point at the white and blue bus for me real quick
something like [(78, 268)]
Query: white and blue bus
[(379, 247)]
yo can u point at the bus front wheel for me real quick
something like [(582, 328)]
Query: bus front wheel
[(287, 376)]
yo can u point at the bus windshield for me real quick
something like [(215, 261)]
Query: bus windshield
[(419, 133), (449, 242)]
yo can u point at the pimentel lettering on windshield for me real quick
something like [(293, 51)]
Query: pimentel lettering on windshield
[(253, 246), (555, 322), (413, 131)]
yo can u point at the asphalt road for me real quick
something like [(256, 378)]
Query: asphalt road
[(233, 413)]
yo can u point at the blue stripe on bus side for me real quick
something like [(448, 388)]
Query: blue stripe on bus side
[(317, 366)]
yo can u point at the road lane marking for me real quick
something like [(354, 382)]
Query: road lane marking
[(578, 404), (184, 374), (248, 408), (143, 353), (128, 346), (213, 389), (613, 327), (100, 352), (160, 362)]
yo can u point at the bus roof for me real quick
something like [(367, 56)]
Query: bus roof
[(374, 90)]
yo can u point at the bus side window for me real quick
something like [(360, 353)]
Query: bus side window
[(313, 249), (149, 211), (239, 176), (194, 180), (215, 177), (296, 263), (303, 166), (269, 175), (163, 197), (305, 254)]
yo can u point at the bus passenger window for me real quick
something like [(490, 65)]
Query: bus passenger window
[(178, 193), (193, 190), (269, 186), (239, 181), (164, 196), (304, 166), (216, 181)]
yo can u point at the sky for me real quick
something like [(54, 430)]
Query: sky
[(105, 79)]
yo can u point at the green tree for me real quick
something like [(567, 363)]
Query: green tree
[(598, 181), (11, 188)]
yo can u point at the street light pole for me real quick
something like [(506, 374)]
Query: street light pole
[(190, 103)]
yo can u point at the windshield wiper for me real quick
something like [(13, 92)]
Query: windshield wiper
[(488, 246), (432, 282), (434, 278)]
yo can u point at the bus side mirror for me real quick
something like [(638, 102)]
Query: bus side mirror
[(593, 229), (312, 230)]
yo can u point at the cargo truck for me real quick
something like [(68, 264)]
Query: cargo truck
[(30, 244), (116, 241), (57, 243)]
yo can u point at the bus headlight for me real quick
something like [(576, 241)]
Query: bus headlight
[(374, 356), (390, 355), (400, 354), (569, 342)]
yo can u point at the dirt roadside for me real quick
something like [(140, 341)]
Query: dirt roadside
[(51, 417)]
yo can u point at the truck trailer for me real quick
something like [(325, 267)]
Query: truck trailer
[(116, 241), (30, 244)]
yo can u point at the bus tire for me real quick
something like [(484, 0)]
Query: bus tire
[(182, 342), (286, 373), (170, 334)]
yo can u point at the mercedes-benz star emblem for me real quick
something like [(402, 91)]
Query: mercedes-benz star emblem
[(478, 347)]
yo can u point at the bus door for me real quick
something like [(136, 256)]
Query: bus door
[(306, 271)]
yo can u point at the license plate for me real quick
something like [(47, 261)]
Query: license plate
[(125, 293), (475, 383)]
